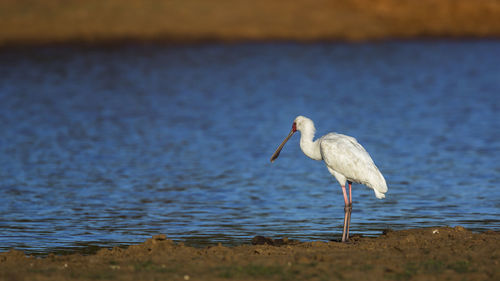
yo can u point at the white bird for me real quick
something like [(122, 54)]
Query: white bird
[(344, 157)]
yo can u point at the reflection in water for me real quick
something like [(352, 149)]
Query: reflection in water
[(110, 146)]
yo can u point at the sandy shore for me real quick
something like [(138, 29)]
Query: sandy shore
[(442, 253), (94, 21)]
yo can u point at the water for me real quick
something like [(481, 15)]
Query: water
[(108, 146)]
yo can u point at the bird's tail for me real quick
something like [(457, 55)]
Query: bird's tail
[(379, 194), (378, 185)]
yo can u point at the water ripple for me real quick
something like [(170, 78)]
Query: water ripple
[(103, 148)]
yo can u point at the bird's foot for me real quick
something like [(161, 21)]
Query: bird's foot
[(344, 239)]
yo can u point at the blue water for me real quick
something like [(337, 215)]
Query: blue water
[(108, 146)]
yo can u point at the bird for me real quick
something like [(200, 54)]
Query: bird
[(345, 159)]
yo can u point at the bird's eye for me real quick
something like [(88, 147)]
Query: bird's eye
[(294, 126)]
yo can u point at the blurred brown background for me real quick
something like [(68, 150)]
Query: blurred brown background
[(59, 21)]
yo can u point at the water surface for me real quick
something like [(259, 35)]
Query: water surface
[(108, 146)]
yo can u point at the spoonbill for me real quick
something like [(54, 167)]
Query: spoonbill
[(344, 157)]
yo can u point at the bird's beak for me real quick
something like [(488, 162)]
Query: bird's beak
[(278, 150)]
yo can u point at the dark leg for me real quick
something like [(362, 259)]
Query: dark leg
[(349, 210)]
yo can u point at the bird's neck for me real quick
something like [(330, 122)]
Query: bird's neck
[(310, 148)]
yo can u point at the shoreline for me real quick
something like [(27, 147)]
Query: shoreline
[(133, 43), (435, 253)]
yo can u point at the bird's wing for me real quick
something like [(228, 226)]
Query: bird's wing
[(346, 156)]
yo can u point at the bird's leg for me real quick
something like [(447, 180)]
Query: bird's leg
[(349, 210), (350, 192), (345, 232)]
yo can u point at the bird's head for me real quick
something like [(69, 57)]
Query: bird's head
[(299, 124), (302, 124)]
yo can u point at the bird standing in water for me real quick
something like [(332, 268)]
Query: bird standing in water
[(344, 157)]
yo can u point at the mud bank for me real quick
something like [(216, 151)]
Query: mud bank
[(94, 22), (442, 253)]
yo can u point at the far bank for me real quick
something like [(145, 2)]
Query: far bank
[(96, 22)]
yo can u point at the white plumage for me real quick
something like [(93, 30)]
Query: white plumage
[(344, 157), (347, 160)]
